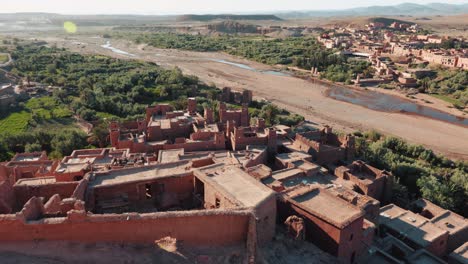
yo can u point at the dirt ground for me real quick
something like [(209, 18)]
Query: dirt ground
[(55, 252), (282, 250), (294, 94)]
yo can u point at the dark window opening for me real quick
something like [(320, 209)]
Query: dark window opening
[(77, 178), (397, 252), (148, 191), (217, 203), (351, 237)]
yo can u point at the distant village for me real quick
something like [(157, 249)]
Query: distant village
[(396, 44)]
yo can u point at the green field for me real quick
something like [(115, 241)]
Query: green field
[(47, 108), (3, 58), (15, 122), (448, 99), (44, 111)]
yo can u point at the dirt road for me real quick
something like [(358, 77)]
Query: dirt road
[(292, 93)]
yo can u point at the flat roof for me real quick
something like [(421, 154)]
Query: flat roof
[(413, 226), (305, 165), (36, 181), (282, 175), (237, 183), (450, 221), (170, 155), (328, 207), (137, 174), (461, 253), (292, 156)]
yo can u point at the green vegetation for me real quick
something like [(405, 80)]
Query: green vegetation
[(418, 169), (57, 143), (96, 88), (36, 111), (15, 122), (301, 52), (457, 103), (347, 72), (3, 58), (448, 85)]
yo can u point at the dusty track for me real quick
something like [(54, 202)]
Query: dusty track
[(294, 94)]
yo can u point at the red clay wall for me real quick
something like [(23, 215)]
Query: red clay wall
[(179, 187), (7, 197), (24, 192), (217, 228), (326, 236)]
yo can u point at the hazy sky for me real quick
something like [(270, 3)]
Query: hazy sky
[(187, 6)]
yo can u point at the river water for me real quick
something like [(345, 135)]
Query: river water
[(370, 99), (389, 103), (115, 50), (246, 67)]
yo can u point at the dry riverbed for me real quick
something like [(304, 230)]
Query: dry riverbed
[(294, 94)]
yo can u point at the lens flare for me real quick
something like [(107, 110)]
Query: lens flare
[(70, 27)]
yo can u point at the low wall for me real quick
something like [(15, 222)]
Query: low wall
[(195, 228), (25, 192)]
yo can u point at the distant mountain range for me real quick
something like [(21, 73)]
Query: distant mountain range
[(26, 20), (405, 9), (226, 17)]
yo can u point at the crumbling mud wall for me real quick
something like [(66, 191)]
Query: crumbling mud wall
[(207, 228)]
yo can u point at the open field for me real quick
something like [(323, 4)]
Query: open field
[(15, 122), (3, 58), (47, 113), (291, 93)]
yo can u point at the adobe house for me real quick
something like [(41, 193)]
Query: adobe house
[(27, 165), (143, 204), (413, 229), (325, 146), (333, 224), (455, 224), (368, 180), (237, 117), (240, 97), (243, 136)]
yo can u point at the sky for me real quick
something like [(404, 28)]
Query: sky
[(157, 7)]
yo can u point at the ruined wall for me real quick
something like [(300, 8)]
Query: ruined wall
[(7, 197), (165, 190), (195, 228), (328, 154), (24, 192)]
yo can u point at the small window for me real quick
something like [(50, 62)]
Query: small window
[(351, 237), (148, 191), (217, 203)]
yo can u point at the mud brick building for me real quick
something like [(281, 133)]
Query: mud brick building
[(239, 97), (368, 180), (455, 224), (334, 225), (144, 198), (413, 229), (325, 146)]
